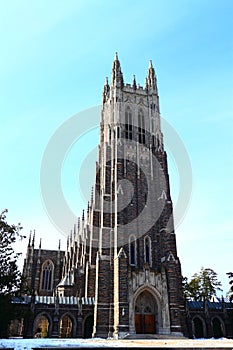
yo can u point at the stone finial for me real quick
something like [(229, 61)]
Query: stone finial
[(151, 78), (33, 239), (134, 83), (106, 90), (29, 240), (146, 84)]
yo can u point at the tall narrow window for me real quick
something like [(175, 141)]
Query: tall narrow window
[(147, 250), (141, 128), (153, 141), (47, 275), (128, 125), (132, 250), (118, 132), (132, 253)]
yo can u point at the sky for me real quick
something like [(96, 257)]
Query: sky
[(54, 58)]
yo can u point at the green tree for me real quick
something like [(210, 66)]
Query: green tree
[(203, 285), (10, 277), (192, 288), (230, 293)]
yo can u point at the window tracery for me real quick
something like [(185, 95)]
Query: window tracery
[(47, 275)]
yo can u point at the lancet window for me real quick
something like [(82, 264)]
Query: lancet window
[(47, 275), (147, 250), (141, 128), (132, 250), (128, 125)]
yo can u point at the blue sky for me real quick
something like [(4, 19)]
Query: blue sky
[(54, 59)]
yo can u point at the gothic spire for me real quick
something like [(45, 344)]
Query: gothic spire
[(29, 240), (117, 76), (33, 239), (40, 244), (106, 90), (134, 83), (74, 231), (146, 84), (151, 78)]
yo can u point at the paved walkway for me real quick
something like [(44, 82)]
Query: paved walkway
[(29, 344)]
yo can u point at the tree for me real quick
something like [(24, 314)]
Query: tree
[(192, 288), (230, 293), (10, 277), (202, 286)]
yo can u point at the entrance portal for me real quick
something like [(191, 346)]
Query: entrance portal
[(198, 328), (41, 327), (217, 328), (88, 326), (145, 313), (65, 327)]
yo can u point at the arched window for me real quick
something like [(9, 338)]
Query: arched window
[(66, 326), (132, 253), (141, 128), (47, 275), (132, 250), (128, 124), (147, 249)]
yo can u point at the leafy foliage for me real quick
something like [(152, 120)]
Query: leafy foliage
[(230, 293), (10, 277), (202, 286)]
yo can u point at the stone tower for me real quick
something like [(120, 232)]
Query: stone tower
[(138, 282)]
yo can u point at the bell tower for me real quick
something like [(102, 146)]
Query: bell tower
[(138, 282)]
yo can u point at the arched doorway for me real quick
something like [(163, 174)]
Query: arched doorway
[(217, 328), (88, 326), (198, 328), (16, 328), (145, 313), (66, 327), (41, 327)]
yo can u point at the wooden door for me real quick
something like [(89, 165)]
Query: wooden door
[(138, 323), (149, 324)]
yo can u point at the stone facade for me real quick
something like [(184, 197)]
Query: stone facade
[(42, 268), (121, 266)]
